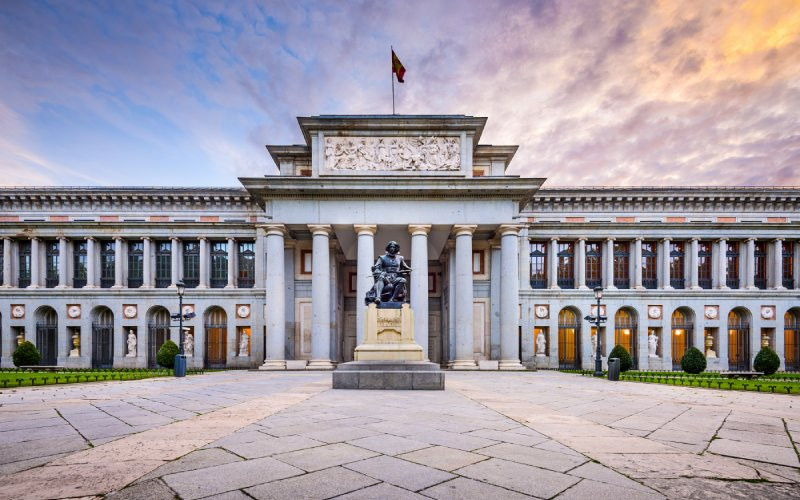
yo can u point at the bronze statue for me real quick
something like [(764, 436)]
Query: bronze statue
[(389, 272)]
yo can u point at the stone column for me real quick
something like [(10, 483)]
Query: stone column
[(147, 268), (465, 355), (694, 262), (7, 263), (509, 298), (204, 268), (524, 260), (777, 265), (118, 278), (320, 297), (419, 283), (275, 358), (722, 266), (62, 263), (231, 263), (637, 263), (261, 243), (34, 263), (608, 271), (366, 257), (552, 264), (796, 265), (174, 259), (91, 262), (749, 282), (580, 260), (665, 271)]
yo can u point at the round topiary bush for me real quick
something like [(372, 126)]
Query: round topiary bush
[(166, 355), (693, 361), (625, 359), (767, 361), (26, 354)]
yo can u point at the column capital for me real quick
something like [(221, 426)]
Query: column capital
[(273, 229), (779, 239), (554, 238), (694, 238), (203, 238), (611, 238), (316, 229), (505, 229), (464, 229), (117, 237), (369, 229), (666, 238), (146, 238), (639, 238), (581, 238), (90, 238), (724, 238), (419, 229), (35, 238), (174, 238)]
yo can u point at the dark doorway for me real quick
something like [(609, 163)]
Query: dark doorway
[(103, 338), (47, 335)]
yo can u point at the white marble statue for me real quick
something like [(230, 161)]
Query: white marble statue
[(188, 345), (131, 345), (244, 345), (594, 346), (652, 342), (540, 344)]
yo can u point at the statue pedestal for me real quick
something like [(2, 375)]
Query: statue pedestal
[(389, 336)]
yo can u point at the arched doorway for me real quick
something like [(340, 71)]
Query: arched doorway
[(739, 340), (626, 332), (216, 327), (568, 340), (791, 339), (157, 333), (682, 331), (102, 338), (47, 335)]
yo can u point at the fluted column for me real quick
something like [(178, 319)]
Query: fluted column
[(465, 355), (91, 262), (320, 297), (34, 263), (749, 264), (524, 260), (118, 262), (231, 263), (665, 267), (7, 263), (275, 298), (637, 263), (366, 257), (204, 268), (777, 264), (722, 265), (580, 261), (509, 298), (62, 263), (174, 260), (552, 264), (147, 268), (694, 263), (608, 271), (419, 283)]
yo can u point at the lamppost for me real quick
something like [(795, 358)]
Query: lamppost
[(179, 368), (598, 318)]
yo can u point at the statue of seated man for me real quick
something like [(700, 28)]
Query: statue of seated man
[(389, 273)]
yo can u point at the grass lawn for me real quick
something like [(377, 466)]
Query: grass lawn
[(18, 378)]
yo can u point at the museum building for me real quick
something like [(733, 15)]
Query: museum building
[(503, 270)]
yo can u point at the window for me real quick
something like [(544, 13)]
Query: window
[(538, 256), (107, 263), (704, 264), (649, 265), (163, 264), (568, 340), (566, 265), (135, 264), (247, 264), (682, 331), (626, 333), (732, 255), (79, 264), (791, 340), (24, 264), (51, 263), (219, 264), (622, 264), (760, 260), (477, 262), (594, 264), (676, 274), (191, 263), (788, 265)]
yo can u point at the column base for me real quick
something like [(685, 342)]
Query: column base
[(779, 288), (464, 364), (668, 287), (639, 287), (273, 364), (511, 364), (584, 287), (60, 287), (229, 287), (32, 287), (554, 287), (201, 287), (695, 287), (173, 286), (320, 364), (723, 287), (610, 288), (117, 287)]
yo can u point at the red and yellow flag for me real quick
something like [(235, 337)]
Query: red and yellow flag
[(397, 67)]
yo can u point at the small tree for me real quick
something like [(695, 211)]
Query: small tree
[(693, 361), (26, 355), (625, 359), (766, 361), (166, 355)]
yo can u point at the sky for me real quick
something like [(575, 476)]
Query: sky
[(594, 92)]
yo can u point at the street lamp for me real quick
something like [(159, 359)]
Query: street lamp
[(179, 367), (598, 363)]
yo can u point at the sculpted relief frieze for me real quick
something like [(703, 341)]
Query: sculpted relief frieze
[(416, 154)]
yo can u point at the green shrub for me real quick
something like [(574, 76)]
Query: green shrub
[(767, 361), (693, 361), (625, 359), (166, 355), (26, 354)]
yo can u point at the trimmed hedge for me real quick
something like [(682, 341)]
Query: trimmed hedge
[(26, 354), (625, 359), (766, 361), (693, 361), (166, 355)]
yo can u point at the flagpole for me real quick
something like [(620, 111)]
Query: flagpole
[(391, 77)]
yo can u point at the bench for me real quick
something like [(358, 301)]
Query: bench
[(747, 375), (43, 368)]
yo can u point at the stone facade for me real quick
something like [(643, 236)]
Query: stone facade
[(496, 260)]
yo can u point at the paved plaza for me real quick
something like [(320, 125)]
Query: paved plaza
[(242, 434)]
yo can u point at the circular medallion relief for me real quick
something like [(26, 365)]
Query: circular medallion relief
[(711, 312), (129, 311), (654, 312), (188, 309), (767, 312), (243, 311), (541, 311), (18, 311), (74, 311)]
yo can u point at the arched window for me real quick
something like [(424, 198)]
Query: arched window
[(216, 327), (157, 333), (625, 332), (568, 340), (791, 339), (738, 340), (682, 331)]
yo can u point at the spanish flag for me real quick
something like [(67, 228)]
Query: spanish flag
[(397, 67)]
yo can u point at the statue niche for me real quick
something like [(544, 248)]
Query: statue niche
[(390, 274)]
